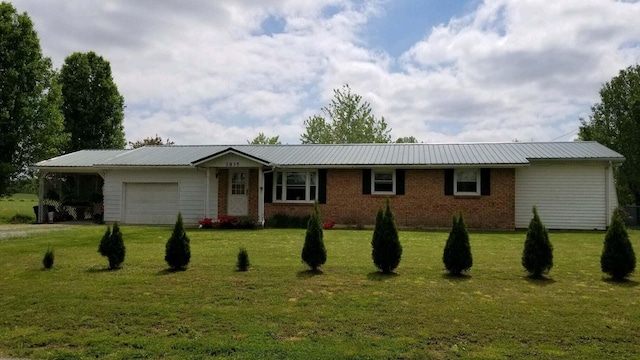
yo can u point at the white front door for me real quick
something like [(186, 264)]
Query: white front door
[(238, 204)]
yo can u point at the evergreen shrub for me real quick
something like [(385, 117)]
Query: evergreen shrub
[(386, 248), (178, 251), (314, 253), (618, 258), (47, 261), (537, 256), (457, 256), (112, 246), (243, 260)]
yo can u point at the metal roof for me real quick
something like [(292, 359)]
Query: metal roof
[(353, 155)]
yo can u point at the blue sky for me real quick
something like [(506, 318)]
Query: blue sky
[(220, 72)]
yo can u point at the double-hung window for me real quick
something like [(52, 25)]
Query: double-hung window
[(467, 182), (296, 185), (383, 182)]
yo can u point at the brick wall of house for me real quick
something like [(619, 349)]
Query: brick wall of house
[(423, 205)]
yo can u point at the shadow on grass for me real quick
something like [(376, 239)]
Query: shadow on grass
[(171, 271), (539, 280), (621, 282), (305, 274), (457, 278), (380, 276)]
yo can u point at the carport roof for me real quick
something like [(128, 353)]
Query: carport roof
[(341, 155)]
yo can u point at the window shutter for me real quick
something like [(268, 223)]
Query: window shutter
[(485, 181), (399, 181), (322, 186), (366, 181), (268, 187), (448, 181)]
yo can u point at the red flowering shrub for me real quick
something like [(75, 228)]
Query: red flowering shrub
[(328, 225), (227, 222), (206, 223)]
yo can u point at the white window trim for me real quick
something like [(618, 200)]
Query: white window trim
[(373, 181), (284, 186), (466, 193)]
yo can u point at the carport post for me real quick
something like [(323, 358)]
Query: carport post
[(41, 176)]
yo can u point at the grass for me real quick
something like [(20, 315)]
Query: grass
[(17, 204), (278, 310)]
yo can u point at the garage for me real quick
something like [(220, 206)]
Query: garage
[(151, 203)]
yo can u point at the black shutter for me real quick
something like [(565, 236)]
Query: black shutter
[(322, 186), (485, 181), (399, 181), (268, 187), (448, 181), (366, 181)]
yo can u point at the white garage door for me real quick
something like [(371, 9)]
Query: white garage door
[(567, 196), (151, 203)]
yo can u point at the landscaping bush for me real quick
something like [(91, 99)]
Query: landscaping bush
[(457, 256), (21, 219), (243, 260), (178, 252), (618, 258), (47, 261), (112, 246), (283, 221), (537, 257), (314, 253), (386, 249)]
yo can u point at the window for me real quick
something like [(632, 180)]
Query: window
[(238, 183), (467, 182), (383, 181), (296, 185)]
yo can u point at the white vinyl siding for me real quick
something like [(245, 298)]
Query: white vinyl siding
[(567, 196), (191, 189)]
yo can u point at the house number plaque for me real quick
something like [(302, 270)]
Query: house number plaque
[(232, 164)]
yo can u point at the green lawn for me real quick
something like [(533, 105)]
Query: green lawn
[(17, 204), (279, 311)]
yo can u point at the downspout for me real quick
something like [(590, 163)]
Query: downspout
[(261, 197)]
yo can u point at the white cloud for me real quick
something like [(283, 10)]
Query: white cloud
[(206, 72)]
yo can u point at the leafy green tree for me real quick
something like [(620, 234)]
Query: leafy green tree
[(157, 140), (31, 125), (313, 252), (347, 119), (93, 108), (618, 258), (178, 249), (615, 123), (112, 246), (407, 140), (457, 256), (537, 257), (263, 139), (386, 248)]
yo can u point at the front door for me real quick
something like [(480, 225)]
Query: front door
[(238, 197)]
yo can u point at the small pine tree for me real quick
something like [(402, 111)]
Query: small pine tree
[(618, 258), (457, 256), (314, 253), (537, 257), (47, 261), (178, 252), (112, 246), (243, 260), (386, 248)]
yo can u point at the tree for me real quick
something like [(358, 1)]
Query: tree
[(150, 141), (112, 246), (348, 120), (537, 257), (178, 251), (457, 256), (31, 125), (93, 108), (313, 252), (618, 258), (407, 140), (615, 123), (262, 139), (386, 248)]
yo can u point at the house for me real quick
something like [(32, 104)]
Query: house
[(495, 185)]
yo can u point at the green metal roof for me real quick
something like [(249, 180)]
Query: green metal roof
[(337, 155)]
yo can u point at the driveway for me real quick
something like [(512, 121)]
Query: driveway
[(22, 230)]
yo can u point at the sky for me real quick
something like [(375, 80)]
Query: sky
[(221, 72)]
